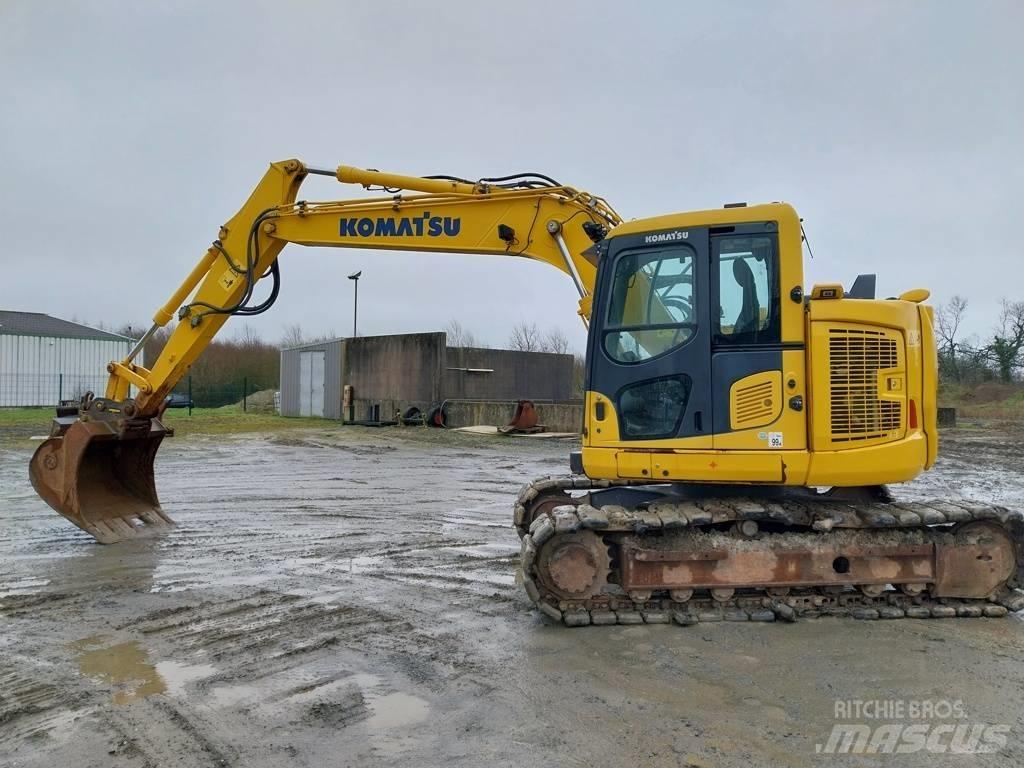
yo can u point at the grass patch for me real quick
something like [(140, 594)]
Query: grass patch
[(989, 400), (25, 421), (1008, 410), (232, 419), (17, 424)]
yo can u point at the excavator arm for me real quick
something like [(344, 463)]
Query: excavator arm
[(545, 223), (96, 468)]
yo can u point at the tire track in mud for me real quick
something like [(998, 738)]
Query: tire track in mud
[(300, 604), (33, 701)]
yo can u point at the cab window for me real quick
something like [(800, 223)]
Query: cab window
[(652, 304), (653, 409), (748, 290)]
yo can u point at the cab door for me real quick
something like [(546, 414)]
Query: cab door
[(756, 375), (649, 380)]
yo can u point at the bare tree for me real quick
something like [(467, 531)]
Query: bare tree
[(459, 336), (129, 330), (579, 374), (525, 338), (1008, 341), (293, 336), (948, 318), (249, 338), (555, 341)]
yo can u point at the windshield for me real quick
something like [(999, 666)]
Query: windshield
[(652, 304)]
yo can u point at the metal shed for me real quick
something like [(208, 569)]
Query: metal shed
[(44, 359)]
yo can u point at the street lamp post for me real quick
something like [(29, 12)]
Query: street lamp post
[(354, 277)]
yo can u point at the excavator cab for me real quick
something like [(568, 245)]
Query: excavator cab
[(690, 342), (707, 363)]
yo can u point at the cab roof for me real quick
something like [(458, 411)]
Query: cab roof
[(713, 217)]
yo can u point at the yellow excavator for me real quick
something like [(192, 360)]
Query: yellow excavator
[(738, 431)]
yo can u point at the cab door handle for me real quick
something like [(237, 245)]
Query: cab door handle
[(698, 421)]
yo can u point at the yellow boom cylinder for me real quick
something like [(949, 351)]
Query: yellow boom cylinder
[(349, 175)]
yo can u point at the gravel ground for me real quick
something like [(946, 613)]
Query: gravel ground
[(348, 597)]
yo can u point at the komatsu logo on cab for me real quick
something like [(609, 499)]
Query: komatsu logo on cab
[(667, 237), (405, 226)]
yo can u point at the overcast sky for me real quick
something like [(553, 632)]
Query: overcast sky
[(131, 131)]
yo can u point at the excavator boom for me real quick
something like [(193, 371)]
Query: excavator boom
[(96, 468)]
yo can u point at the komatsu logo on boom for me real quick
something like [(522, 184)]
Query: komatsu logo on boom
[(667, 237), (405, 226)]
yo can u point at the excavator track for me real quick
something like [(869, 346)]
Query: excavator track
[(570, 540)]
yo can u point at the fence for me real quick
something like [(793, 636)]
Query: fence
[(49, 390), (33, 389), (202, 394)]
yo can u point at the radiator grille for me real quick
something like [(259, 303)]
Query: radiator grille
[(754, 404), (855, 358)]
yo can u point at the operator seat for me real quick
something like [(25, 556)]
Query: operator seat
[(750, 314)]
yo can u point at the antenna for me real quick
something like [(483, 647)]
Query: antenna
[(803, 236)]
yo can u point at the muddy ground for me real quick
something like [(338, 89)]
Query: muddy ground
[(347, 597)]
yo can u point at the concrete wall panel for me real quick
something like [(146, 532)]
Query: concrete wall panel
[(514, 375), (404, 368)]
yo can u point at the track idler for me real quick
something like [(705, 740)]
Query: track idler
[(96, 469)]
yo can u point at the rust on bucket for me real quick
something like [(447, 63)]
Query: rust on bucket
[(99, 475)]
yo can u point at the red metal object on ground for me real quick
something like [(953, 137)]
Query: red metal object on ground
[(523, 420)]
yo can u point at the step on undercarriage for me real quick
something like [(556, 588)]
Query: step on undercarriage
[(604, 552)]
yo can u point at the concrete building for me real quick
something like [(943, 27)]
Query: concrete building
[(392, 373), (44, 359)]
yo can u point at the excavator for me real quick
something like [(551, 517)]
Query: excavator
[(739, 432)]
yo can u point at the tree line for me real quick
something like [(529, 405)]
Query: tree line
[(227, 365), (970, 359)]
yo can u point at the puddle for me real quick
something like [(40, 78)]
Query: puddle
[(493, 550), (357, 564), (177, 675), (387, 713), (229, 695), (389, 710), (23, 586), (395, 710), (126, 667), (451, 522)]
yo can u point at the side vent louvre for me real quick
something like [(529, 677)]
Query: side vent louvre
[(855, 358), (754, 404), (755, 400)]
